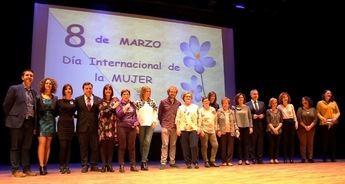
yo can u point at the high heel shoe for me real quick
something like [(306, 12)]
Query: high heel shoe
[(42, 172), (45, 169)]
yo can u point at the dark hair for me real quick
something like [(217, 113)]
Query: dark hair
[(324, 92), (125, 90), (86, 84), (238, 96), (309, 100), (64, 88), (204, 98), (27, 70), (106, 87), (209, 97)]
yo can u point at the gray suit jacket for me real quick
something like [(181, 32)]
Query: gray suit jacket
[(15, 105)]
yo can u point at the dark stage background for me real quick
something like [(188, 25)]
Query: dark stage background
[(280, 45)]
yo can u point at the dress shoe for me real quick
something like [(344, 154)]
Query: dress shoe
[(144, 166), (189, 166), (94, 169), (62, 169), (29, 173), (67, 170), (207, 165), (213, 164), (276, 161), (240, 162), (247, 162), (122, 169), (18, 174), (196, 165), (173, 165), (271, 161), (162, 167), (84, 169), (110, 168), (224, 164), (134, 169)]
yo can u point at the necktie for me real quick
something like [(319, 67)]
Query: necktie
[(256, 105), (88, 103)]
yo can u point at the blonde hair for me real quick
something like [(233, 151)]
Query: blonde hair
[(271, 101), (143, 90)]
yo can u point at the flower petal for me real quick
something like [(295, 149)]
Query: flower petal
[(189, 61), (185, 86), (194, 44), (197, 97), (185, 49), (198, 88), (199, 68), (204, 48), (194, 79), (208, 61)]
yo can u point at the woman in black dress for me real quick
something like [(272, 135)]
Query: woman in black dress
[(66, 110)]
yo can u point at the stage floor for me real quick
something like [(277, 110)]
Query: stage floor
[(313, 173)]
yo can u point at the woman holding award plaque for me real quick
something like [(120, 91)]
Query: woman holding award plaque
[(328, 113)]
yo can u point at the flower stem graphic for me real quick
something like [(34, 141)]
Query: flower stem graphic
[(202, 84)]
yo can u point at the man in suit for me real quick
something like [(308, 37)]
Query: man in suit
[(87, 127), (258, 111), (20, 108)]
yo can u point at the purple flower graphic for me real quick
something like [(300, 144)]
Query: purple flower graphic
[(194, 88), (196, 55)]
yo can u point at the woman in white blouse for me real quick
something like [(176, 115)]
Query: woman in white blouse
[(290, 125)]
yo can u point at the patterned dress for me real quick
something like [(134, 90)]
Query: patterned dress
[(107, 125), (46, 116)]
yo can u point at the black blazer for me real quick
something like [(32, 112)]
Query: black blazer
[(87, 119), (15, 105)]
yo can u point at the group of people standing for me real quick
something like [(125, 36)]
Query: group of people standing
[(103, 123)]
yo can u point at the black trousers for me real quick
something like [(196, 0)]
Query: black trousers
[(88, 140), (274, 145), (127, 138), (227, 147), (189, 143), (257, 141), (288, 134), (107, 149), (21, 140), (328, 141), (243, 144)]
